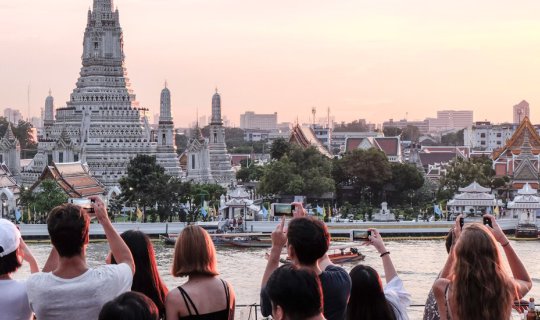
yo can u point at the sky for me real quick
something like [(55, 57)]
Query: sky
[(362, 59)]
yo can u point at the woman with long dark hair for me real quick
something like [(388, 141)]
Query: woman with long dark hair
[(369, 299), (146, 279), (474, 284)]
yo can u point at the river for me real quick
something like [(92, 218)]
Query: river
[(417, 262)]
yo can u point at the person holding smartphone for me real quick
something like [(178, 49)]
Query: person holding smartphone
[(68, 288), (473, 283), (369, 299), (307, 241), (13, 251)]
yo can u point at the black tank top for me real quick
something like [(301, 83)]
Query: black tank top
[(217, 315)]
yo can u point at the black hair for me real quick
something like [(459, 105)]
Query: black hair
[(129, 306), (9, 263), (309, 238), (297, 291), (68, 228), (448, 240), (367, 300), (146, 279)]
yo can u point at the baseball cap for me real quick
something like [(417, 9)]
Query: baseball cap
[(10, 237)]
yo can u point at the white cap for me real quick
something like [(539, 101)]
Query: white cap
[(10, 237)]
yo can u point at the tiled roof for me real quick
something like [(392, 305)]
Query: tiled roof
[(389, 145), (73, 178), (438, 157), (305, 137)]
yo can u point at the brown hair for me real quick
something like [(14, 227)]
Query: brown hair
[(68, 228), (481, 287), (194, 253)]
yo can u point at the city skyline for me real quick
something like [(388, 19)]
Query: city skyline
[(363, 60)]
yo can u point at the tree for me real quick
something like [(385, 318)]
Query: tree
[(453, 139), (298, 172), (145, 182), (355, 126), (364, 172), (391, 131), (410, 133), (406, 179), (181, 141), (462, 172), (43, 201), (279, 148)]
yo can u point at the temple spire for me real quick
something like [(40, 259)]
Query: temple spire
[(103, 5), (216, 109), (9, 133)]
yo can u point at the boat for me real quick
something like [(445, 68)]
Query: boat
[(338, 255), (248, 241), (527, 231)]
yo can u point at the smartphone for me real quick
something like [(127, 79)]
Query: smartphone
[(283, 209), (461, 222), (86, 204), (360, 235), (487, 222)]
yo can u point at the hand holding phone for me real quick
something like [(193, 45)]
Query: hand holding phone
[(487, 222), (360, 235)]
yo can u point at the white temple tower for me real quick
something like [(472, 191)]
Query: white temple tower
[(166, 144), (220, 160), (102, 123), (48, 117), (10, 151)]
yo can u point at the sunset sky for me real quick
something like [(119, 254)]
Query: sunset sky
[(363, 59)]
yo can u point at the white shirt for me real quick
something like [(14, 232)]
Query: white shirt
[(399, 298), (52, 297), (14, 301)]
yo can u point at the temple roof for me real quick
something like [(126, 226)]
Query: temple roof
[(389, 145), (527, 190), (305, 137), (474, 188), (514, 145), (72, 177)]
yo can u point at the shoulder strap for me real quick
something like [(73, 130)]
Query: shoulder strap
[(227, 294), (188, 301)]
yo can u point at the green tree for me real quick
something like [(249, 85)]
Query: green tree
[(279, 148), (365, 172), (44, 199), (462, 172), (145, 182), (410, 133), (355, 126), (406, 179), (391, 131), (453, 139)]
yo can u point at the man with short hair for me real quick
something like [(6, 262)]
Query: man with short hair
[(295, 293), (13, 251), (73, 290), (307, 241)]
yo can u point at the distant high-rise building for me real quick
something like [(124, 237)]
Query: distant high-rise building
[(451, 120), (251, 120), (423, 126), (12, 115), (521, 110)]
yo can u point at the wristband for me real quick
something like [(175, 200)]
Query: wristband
[(506, 244), (384, 253)]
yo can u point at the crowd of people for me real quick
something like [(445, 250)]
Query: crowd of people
[(472, 285)]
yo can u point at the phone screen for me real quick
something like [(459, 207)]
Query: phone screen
[(283, 209), (487, 222), (360, 235)]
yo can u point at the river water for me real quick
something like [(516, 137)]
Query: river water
[(417, 261)]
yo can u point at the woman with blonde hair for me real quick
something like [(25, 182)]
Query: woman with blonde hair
[(204, 295), (473, 283)]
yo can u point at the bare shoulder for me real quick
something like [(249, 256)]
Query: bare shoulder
[(173, 297), (439, 286)]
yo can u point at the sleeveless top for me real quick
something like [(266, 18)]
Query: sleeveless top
[(216, 315)]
